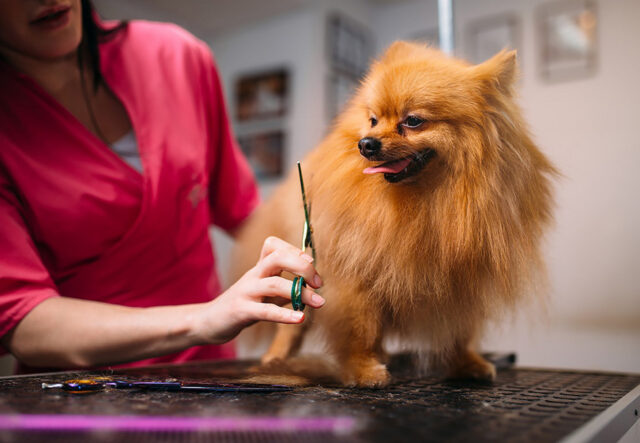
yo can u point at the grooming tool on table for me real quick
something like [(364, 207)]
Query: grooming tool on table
[(307, 242), (92, 385)]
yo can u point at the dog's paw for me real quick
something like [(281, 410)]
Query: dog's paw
[(474, 369), (271, 359), (373, 375)]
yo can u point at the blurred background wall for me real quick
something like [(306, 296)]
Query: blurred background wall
[(585, 122)]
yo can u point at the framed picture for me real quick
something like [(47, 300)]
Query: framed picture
[(486, 37), (262, 95), (349, 45), (567, 32), (349, 50), (265, 152)]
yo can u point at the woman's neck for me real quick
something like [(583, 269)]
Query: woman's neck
[(56, 76), (97, 108)]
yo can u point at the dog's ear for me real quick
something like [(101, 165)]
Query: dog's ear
[(500, 71)]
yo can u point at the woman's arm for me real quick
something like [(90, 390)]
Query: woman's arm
[(67, 332)]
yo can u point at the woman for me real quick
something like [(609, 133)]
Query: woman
[(115, 156)]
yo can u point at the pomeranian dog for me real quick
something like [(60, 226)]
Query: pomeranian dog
[(428, 202)]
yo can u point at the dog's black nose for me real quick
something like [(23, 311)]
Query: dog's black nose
[(369, 146)]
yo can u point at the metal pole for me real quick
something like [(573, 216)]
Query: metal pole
[(445, 25)]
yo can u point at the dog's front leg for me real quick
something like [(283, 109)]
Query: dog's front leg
[(286, 342), (355, 333)]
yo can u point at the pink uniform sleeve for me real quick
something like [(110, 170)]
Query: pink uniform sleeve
[(24, 280), (233, 193)]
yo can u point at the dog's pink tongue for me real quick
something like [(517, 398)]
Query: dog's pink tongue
[(393, 167)]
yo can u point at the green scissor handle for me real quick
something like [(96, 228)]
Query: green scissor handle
[(296, 293)]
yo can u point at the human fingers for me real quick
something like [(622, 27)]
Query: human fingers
[(284, 259), (271, 312), (272, 244), (278, 289)]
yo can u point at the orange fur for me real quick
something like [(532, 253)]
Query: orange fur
[(432, 258)]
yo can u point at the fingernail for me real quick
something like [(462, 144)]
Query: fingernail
[(296, 315), (307, 257), (317, 281), (317, 300)]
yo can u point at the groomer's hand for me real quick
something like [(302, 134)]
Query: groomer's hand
[(261, 292)]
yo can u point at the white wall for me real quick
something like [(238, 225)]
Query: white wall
[(293, 40)]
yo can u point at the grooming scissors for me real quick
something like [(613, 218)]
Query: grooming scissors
[(96, 384), (307, 242)]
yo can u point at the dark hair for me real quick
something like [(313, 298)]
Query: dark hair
[(92, 34)]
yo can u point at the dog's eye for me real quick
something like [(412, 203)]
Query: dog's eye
[(412, 121), (373, 121)]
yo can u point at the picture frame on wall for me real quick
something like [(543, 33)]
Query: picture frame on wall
[(262, 95), (349, 45), (261, 108), (488, 36), (349, 52), (567, 37), (265, 153)]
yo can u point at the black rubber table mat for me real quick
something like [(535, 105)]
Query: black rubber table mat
[(526, 405)]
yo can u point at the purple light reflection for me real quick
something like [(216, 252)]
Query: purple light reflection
[(53, 422)]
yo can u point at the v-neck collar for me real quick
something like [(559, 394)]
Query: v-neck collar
[(96, 141), (98, 144)]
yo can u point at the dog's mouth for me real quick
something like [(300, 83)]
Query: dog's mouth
[(397, 170)]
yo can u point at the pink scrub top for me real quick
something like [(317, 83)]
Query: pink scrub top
[(77, 221)]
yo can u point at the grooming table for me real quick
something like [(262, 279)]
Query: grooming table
[(529, 405)]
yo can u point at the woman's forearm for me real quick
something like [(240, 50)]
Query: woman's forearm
[(67, 332)]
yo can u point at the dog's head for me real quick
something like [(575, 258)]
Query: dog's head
[(422, 113)]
